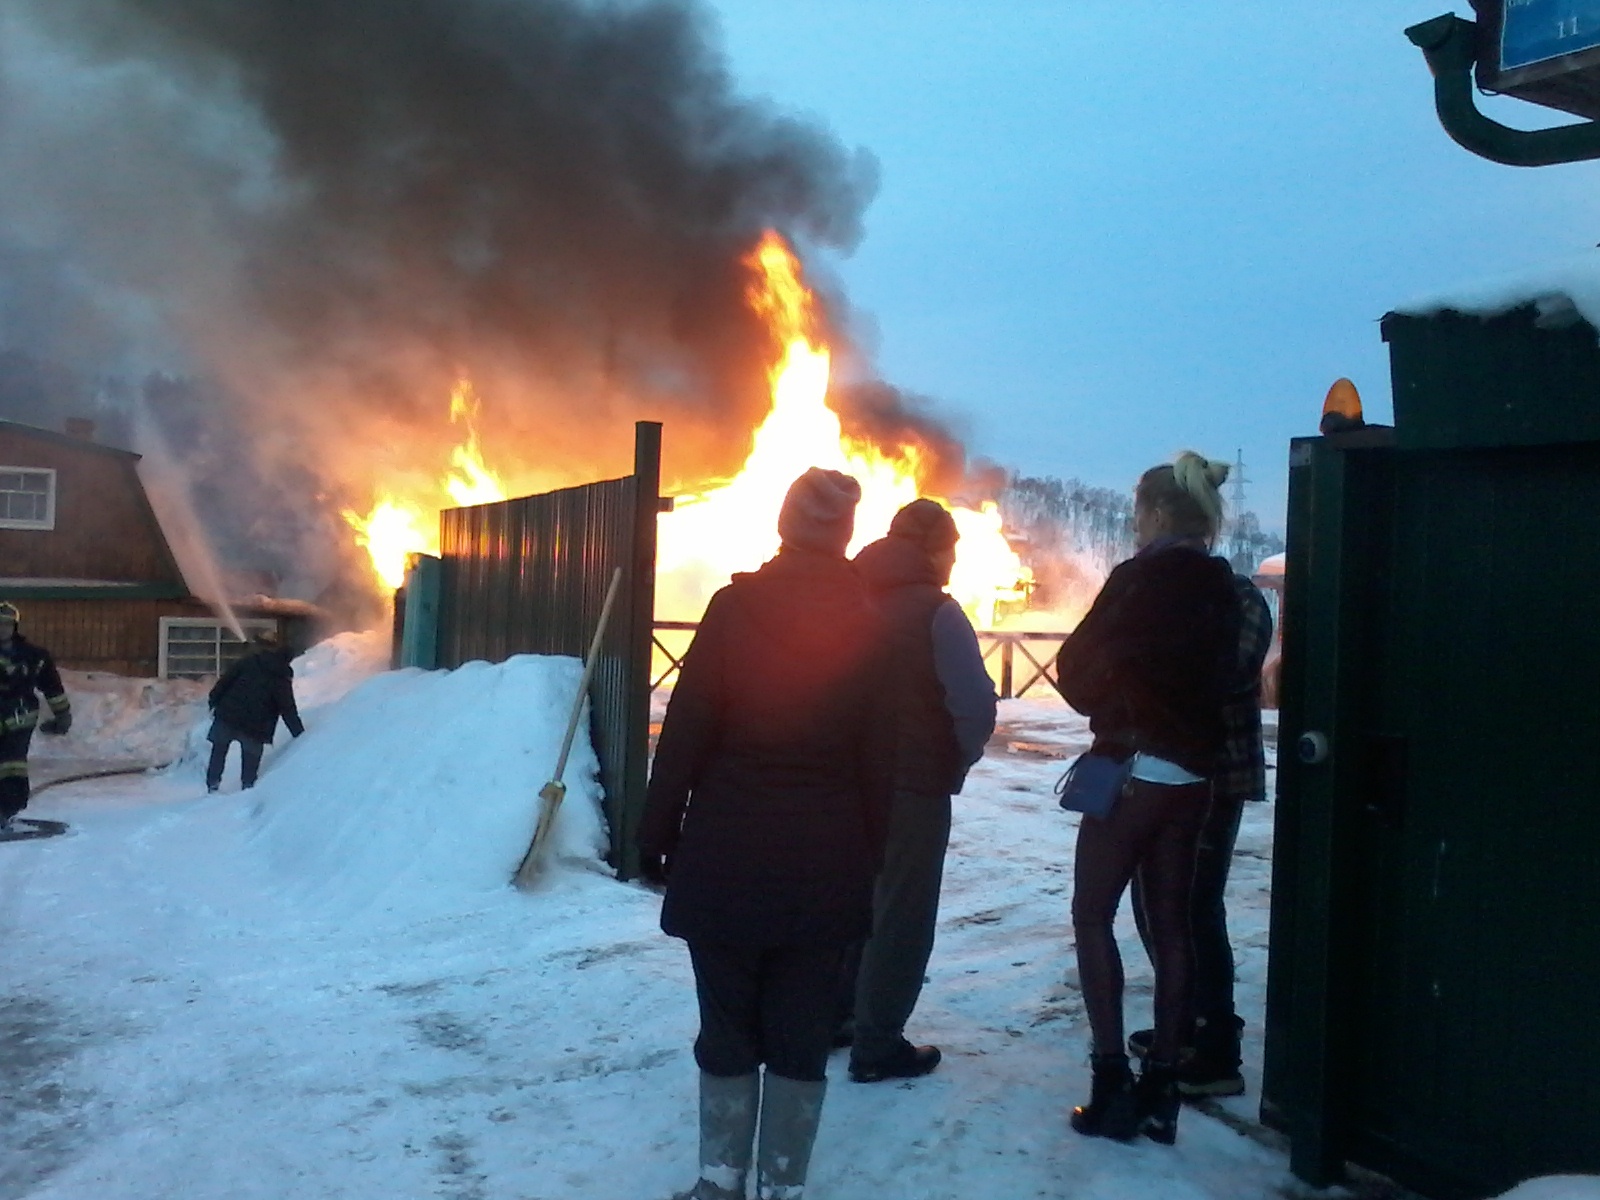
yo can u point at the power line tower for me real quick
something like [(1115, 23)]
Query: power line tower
[(1236, 502)]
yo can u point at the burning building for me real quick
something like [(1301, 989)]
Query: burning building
[(730, 525), (439, 253)]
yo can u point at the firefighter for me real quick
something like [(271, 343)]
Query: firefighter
[(26, 671)]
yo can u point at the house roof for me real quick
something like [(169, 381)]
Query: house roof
[(64, 439)]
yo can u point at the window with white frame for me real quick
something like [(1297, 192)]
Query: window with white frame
[(200, 647), (27, 498)]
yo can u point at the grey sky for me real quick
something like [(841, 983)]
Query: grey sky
[(1109, 229)]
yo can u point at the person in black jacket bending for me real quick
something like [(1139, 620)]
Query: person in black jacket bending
[(765, 819), (1150, 665), (944, 711), (26, 671), (246, 704)]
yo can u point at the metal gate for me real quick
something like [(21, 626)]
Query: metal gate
[(1434, 954), (529, 576)]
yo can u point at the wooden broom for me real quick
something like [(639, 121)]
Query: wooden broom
[(554, 792)]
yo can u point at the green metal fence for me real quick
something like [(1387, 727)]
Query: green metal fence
[(529, 576)]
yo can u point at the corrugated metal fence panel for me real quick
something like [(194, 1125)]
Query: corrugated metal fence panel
[(529, 576)]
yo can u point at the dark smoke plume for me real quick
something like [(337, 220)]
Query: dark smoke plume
[(331, 210)]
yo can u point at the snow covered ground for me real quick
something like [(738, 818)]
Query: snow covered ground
[(325, 987)]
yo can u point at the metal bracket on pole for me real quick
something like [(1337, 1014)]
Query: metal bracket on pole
[(1450, 45)]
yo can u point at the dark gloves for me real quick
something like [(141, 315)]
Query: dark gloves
[(57, 725), (655, 862)]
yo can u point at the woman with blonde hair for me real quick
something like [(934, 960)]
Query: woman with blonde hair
[(1149, 665)]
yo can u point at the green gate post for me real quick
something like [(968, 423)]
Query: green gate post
[(1334, 513), (419, 636), (640, 632)]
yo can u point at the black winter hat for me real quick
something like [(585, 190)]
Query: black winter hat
[(927, 523), (819, 512)]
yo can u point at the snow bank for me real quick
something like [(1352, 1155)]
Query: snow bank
[(121, 720), (323, 675), (1557, 1187), (330, 669), (118, 719), (418, 790), (1561, 291)]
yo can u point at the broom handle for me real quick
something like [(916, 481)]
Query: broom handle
[(588, 673)]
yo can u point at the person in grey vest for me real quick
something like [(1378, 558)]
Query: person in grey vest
[(944, 712)]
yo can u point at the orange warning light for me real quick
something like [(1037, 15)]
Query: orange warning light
[(1341, 411)]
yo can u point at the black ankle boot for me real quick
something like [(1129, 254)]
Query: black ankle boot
[(1212, 1068), (1158, 1102), (1111, 1111)]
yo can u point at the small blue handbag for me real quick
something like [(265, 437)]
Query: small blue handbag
[(1092, 784)]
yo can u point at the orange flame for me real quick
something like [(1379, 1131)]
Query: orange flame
[(735, 526), (732, 526), (475, 484), (398, 527)]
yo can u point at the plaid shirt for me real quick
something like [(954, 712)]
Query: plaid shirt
[(1242, 772)]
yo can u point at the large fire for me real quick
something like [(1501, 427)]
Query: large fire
[(398, 527), (733, 526)]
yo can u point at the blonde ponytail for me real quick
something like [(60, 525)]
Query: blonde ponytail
[(1188, 492), (1203, 480)]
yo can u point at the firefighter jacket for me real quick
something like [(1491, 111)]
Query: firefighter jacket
[(26, 671)]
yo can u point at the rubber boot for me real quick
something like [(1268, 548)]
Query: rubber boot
[(791, 1110), (728, 1106), (1111, 1111), (1159, 1102)]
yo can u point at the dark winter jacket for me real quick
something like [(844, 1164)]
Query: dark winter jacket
[(254, 692), (772, 777), (943, 700), (25, 671), (1151, 662)]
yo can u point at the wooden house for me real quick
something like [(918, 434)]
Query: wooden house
[(84, 558)]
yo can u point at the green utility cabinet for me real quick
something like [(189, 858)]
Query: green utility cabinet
[(1433, 1007)]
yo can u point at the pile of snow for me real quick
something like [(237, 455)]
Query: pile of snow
[(419, 789), (1561, 291), (118, 719), (323, 675), (1557, 1187), (329, 670)]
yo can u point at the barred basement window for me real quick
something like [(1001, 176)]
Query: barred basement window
[(199, 647), (27, 498)]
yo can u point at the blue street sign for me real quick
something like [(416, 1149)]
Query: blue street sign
[(1536, 31)]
